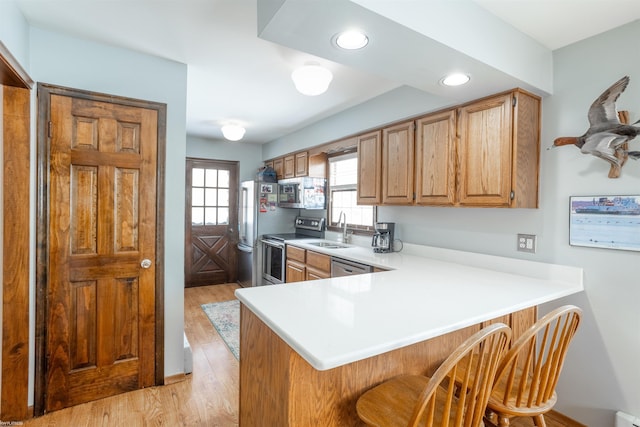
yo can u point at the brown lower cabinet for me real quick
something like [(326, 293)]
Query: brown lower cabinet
[(303, 264)]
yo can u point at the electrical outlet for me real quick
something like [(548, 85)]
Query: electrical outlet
[(527, 243)]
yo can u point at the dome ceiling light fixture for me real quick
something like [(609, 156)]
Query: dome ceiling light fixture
[(351, 40), (455, 79), (311, 79), (233, 132)]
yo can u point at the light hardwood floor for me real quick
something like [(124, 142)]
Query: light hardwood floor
[(208, 397)]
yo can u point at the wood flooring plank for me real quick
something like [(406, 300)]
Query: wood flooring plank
[(207, 397)]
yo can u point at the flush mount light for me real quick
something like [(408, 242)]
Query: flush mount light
[(311, 79), (233, 132), (455, 79), (352, 40)]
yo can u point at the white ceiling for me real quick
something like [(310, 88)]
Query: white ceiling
[(234, 75)]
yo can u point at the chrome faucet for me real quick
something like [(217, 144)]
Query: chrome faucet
[(342, 218)]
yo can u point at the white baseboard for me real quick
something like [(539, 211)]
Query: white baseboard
[(188, 356)]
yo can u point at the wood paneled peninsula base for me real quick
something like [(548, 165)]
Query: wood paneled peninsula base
[(279, 388)]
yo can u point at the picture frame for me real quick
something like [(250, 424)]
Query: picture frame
[(609, 222)]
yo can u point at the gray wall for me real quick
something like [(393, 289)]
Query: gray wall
[(249, 155), (386, 108), (601, 374), (14, 32)]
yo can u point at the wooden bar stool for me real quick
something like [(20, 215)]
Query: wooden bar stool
[(414, 400), (526, 380)]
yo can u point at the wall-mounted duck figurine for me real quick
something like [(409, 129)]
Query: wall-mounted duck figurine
[(607, 136)]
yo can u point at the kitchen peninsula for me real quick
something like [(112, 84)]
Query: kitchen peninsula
[(308, 350)]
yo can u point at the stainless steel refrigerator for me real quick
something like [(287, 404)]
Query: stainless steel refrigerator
[(259, 214)]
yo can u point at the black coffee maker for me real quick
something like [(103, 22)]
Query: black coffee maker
[(382, 241)]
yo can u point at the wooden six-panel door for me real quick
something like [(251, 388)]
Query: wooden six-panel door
[(101, 292)]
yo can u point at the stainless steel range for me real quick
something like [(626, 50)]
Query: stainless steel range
[(274, 256)]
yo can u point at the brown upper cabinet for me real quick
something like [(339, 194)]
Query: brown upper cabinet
[(299, 164), (436, 159), (290, 166), (370, 168), (397, 164), (278, 166), (483, 154), (302, 164), (498, 151), (386, 165)]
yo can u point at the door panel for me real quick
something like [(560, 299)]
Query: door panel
[(211, 220), (100, 333)]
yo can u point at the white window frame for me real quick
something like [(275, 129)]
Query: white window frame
[(332, 223)]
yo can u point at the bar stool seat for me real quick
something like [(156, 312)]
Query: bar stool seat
[(414, 400)]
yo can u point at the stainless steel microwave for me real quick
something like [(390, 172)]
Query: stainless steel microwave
[(302, 193)]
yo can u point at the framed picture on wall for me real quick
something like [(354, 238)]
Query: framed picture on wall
[(611, 222)]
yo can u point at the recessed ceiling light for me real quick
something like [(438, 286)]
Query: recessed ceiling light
[(352, 40), (455, 79)]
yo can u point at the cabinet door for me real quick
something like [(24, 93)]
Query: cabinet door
[(302, 164), (295, 272), (369, 169), (397, 164), (315, 274), (296, 254), (436, 159), (290, 166), (485, 152), (317, 165), (269, 164), (319, 261), (278, 166)]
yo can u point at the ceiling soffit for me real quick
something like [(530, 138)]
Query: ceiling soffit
[(412, 44)]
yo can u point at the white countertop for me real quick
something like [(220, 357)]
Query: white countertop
[(428, 292)]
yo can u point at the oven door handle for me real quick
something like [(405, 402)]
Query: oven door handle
[(275, 243)]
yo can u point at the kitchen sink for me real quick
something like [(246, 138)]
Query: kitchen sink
[(329, 245)]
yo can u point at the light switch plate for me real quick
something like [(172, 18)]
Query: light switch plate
[(527, 243)]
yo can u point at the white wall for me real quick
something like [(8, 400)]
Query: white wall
[(601, 374), (14, 32), (82, 64), (249, 155)]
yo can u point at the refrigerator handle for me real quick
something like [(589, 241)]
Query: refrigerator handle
[(245, 248)]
